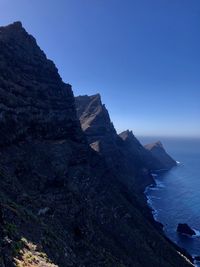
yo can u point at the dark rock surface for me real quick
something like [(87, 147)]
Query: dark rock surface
[(184, 228), (135, 151), (161, 155), (126, 163), (124, 154), (60, 202)]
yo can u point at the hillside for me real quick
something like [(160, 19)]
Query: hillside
[(60, 202)]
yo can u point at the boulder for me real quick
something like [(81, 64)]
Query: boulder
[(197, 258), (184, 228)]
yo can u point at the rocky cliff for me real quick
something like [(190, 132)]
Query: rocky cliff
[(135, 152), (43, 150), (103, 138), (124, 154), (60, 202), (161, 155)]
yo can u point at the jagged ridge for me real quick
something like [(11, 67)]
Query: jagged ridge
[(59, 200), (161, 155)]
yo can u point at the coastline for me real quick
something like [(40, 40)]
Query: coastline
[(160, 227)]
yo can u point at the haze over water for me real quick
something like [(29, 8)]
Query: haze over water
[(176, 199)]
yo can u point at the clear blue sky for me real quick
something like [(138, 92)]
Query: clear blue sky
[(142, 56)]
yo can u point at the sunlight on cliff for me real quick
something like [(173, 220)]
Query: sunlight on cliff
[(30, 256)]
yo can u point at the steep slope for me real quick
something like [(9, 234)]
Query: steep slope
[(103, 138), (136, 151), (43, 149), (126, 158), (161, 155), (124, 154), (60, 204), (96, 124), (154, 156)]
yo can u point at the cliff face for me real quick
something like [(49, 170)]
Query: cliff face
[(124, 154), (135, 151), (96, 123), (153, 156), (34, 100), (43, 149), (103, 138), (60, 203), (161, 155)]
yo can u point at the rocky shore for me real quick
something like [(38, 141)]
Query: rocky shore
[(160, 226)]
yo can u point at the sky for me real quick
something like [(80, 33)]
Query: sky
[(142, 56)]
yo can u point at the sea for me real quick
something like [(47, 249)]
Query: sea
[(176, 196)]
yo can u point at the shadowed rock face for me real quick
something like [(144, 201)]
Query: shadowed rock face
[(135, 152), (35, 102), (161, 155), (103, 138), (154, 156), (124, 154), (184, 228), (138, 151), (95, 122), (59, 201), (43, 149)]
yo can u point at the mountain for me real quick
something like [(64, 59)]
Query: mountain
[(60, 202), (153, 155), (135, 151), (43, 152), (96, 123), (161, 155), (124, 154), (103, 138)]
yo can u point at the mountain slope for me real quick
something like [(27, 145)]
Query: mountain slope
[(161, 155), (60, 203), (123, 153)]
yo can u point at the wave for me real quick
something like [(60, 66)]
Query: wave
[(155, 214), (153, 189), (159, 184), (197, 232), (153, 210), (149, 201), (155, 197)]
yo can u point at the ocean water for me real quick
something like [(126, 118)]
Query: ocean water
[(176, 197)]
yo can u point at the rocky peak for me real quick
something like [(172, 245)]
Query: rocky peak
[(155, 145), (128, 137), (126, 134), (158, 151), (15, 26), (34, 100), (23, 47), (60, 204), (94, 117), (123, 153)]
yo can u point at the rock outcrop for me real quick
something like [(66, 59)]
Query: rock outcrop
[(184, 228), (124, 154), (161, 155), (138, 151), (197, 258), (103, 138), (60, 203)]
